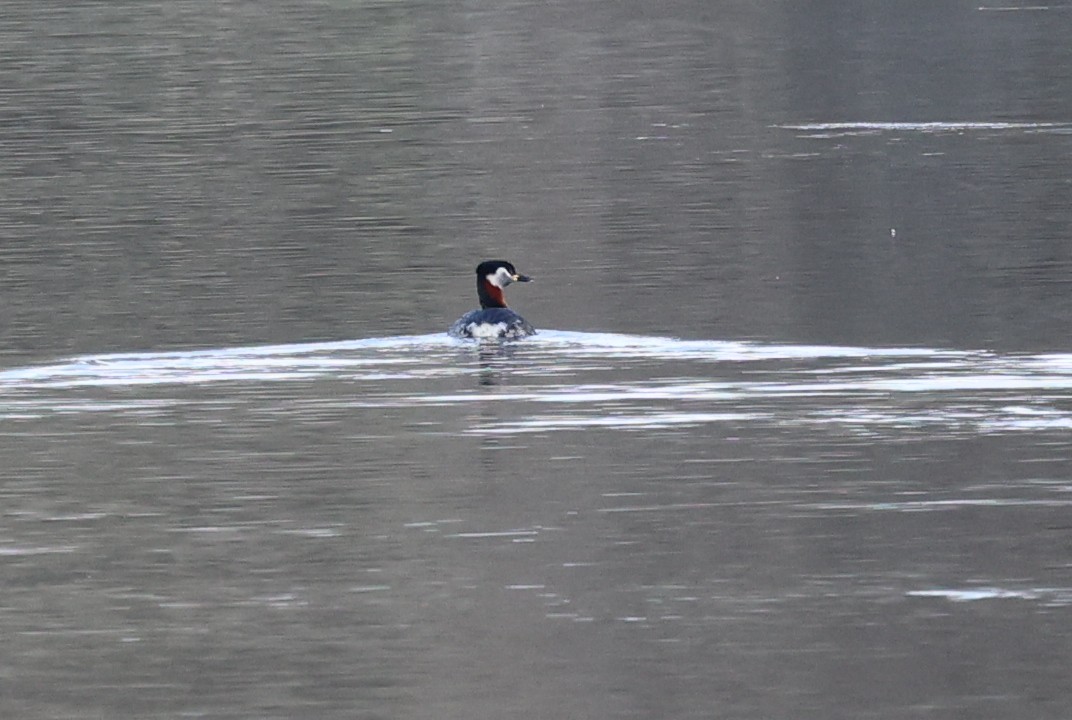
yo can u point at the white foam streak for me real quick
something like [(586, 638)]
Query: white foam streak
[(945, 126), (620, 422), (609, 344), (651, 383), (1054, 597), (260, 363)]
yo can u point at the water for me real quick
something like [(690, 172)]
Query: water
[(793, 439), (387, 524)]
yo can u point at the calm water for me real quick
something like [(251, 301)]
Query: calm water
[(793, 440)]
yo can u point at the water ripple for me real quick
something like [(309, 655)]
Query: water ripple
[(590, 380)]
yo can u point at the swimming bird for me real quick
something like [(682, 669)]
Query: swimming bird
[(493, 320)]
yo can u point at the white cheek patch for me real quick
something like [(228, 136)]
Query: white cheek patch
[(500, 278)]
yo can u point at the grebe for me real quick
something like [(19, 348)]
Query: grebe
[(493, 320)]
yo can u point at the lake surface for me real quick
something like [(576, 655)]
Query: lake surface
[(793, 439)]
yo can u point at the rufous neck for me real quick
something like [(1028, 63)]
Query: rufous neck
[(491, 296)]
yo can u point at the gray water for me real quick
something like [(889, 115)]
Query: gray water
[(793, 440)]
